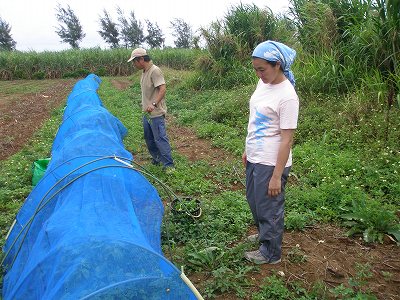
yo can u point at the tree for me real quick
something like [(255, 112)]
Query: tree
[(154, 38), (71, 32), (6, 41), (131, 30), (182, 32), (109, 30)]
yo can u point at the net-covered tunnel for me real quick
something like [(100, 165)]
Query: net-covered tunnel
[(91, 227)]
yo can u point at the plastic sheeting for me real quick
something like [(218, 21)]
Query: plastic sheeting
[(91, 228)]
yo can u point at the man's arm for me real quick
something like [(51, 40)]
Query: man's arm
[(162, 90)]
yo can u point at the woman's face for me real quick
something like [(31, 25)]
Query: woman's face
[(267, 72)]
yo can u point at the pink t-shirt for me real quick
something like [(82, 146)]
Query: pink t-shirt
[(272, 107)]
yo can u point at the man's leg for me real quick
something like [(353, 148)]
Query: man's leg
[(161, 140), (150, 142)]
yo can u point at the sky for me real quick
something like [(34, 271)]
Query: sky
[(33, 23)]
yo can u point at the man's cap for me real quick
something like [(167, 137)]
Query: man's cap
[(138, 52)]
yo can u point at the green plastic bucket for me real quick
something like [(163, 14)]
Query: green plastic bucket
[(38, 169)]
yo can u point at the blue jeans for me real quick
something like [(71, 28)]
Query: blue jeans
[(157, 142), (268, 212)]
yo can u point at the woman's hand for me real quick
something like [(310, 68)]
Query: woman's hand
[(275, 187), (275, 184), (244, 159)]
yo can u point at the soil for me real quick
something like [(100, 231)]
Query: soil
[(21, 114), (321, 253)]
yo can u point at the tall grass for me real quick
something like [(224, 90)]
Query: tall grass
[(316, 25), (229, 43), (363, 36), (339, 43), (79, 63), (176, 58)]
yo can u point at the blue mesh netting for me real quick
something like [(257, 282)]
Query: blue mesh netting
[(91, 228)]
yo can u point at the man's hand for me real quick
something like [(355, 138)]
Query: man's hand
[(150, 108)]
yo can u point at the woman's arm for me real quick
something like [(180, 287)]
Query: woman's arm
[(275, 184)]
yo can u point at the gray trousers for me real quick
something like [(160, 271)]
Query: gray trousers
[(268, 212)]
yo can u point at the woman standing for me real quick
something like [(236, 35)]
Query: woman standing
[(274, 108)]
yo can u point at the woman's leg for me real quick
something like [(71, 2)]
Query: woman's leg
[(270, 212)]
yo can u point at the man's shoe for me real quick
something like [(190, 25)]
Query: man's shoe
[(252, 238), (257, 258), (155, 162)]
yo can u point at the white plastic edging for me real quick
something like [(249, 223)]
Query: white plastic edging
[(190, 285)]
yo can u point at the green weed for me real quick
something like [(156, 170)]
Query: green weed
[(298, 220), (207, 259), (357, 288), (297, 255), (372, 220), (273, 288)]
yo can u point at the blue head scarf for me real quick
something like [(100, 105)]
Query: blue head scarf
[(275, 51)]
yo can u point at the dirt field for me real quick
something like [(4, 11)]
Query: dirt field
[(330, 256)]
